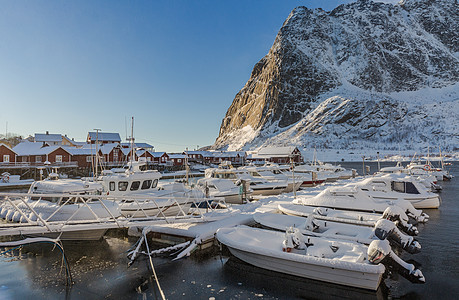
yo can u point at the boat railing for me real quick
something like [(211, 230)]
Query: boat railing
[(23, 212)]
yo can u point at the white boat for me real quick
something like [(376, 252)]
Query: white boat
[(392, 187), (272, 173), (337, 262), (55, 207), (259, 185), (392, 213), (429, 181), (138, 192), (224, 189), (8, 181), (311, 226)]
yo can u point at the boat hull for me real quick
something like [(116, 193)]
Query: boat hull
[(364, 280)]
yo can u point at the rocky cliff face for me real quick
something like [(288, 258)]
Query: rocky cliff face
[(362, 71)]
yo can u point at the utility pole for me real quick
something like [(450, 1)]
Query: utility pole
[(379, 167)]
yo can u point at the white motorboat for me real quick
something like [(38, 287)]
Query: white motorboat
[(392, 213), (391, 187), (429, 181), (272, 173), (353, 197), (311, 226), (8, 181), (259, 185), (224, 189), (138, 192), (338, 262), (58, 208)]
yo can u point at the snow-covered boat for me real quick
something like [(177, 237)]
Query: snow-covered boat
[(224, 189), (56, 207), (8, 181), (429, 181), (259, 185), (138, 192), (338, 262), (392, 187), (392, 213), (272, 173), (311, 226)]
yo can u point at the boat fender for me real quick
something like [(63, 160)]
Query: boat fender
[(385, 229)]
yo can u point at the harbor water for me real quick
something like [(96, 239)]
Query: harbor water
[(100, 268)]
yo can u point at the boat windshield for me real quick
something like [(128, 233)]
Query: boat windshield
[(404, 187)]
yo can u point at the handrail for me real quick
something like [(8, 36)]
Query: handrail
[(94, 207)]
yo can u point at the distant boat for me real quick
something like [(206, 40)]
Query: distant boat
[(8, 181)]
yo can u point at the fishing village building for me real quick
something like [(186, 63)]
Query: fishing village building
[(7, 155)]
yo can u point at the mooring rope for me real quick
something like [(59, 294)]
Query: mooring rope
[(153, 268)]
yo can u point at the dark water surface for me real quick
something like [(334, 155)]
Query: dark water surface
[(100, 270)]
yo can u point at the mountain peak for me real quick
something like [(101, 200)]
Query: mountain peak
[(358, 50)]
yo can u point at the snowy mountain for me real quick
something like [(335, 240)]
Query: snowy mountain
[(366, 74)]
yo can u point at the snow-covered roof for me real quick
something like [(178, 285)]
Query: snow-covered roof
[(46, 137), (276, 151), (104, 136), (138, 145), (157, 154), (28, 148), (80, 151), (203, 153), (125, 150), (107, 148), (228, 154), (140, 152)]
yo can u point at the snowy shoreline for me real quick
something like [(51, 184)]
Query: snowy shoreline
[(357, 155)]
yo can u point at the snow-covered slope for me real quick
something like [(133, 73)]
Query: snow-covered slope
[(366, 74)]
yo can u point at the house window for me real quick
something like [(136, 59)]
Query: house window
[(135, 185), (115, 156), (179, 160), (37, 159), (58, 158), (24, 159), (148, 158), (112, 186), (6, 158), (88, 159)]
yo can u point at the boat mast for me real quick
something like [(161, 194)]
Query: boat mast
[(97, 154), (132, 140)]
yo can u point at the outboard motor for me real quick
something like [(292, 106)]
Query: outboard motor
[(398, 216), (311, 223), (321, 211), (385, 229), (293, 240), (381, 252)]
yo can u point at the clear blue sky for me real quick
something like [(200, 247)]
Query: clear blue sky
[(71, 66)]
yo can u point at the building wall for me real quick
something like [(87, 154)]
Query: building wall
[(66, 157), (5, 151)]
